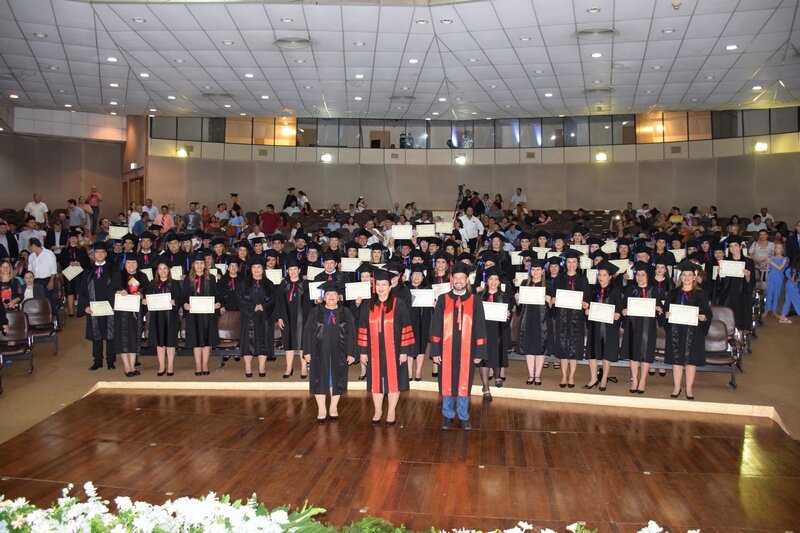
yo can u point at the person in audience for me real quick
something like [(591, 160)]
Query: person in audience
[(98, 286), (351, 225), (775, 279), (42, 262), (517, 198), (792, 300), (792, 243), (31, 231), (29, 288), (150, 209), (38, 210), (11, 290), (201, 327), (87, 219), (756, 224), (163, 325), (94, 199), (9, 247), (761, 251), (685, 344), (256, 299), (21, 266), (128, 324), (270, 220), (134, 216), (191, 219)]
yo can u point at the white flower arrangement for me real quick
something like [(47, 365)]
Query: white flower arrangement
[(209, 514)]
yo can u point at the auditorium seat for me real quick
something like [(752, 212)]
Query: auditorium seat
[(17, 344), (718, 350), (41, 322), (725, 314), (230, 332)]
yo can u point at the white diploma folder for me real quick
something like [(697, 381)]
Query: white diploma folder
[(148, 273), (130, 303), (440, 288), (731, 269), (444, 227), (567, 299), (364, 255), (275, 275), (350, 264), (201, 305), (601, 312), (495, 311), (404, 232), (101, 308), (117, 232), (312, 271), (71, 272), (422, 298), (176, 272), (159, 302), (531, 295), (313, 290), (685, 315), (360, 289), (426, 230), (643, 307)]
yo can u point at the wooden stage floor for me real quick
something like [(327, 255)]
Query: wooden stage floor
[(548, 464)]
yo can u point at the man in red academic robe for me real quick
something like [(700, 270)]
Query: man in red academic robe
[(458, 340)]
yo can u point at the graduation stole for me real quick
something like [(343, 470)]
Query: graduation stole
[(464, 317), (376, 325)]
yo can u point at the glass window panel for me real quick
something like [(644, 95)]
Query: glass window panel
[(328, 132), (506, 133), (238, 130), (285, 131), (190, 128), (530, 133), (349, 133), (552, 132), (463, 136), (756, 122), (649, 128), (214, 129), (396, 129), (417, 134), (599, 130), (441, 134), (576, 131), (307, 132), (726, 124), (676, 128), (783, 120), (699, 125), (624, 129), (164, 128), (264, 131), (483, 131), (372, 134)]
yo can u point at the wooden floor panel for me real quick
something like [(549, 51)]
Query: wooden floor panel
[(547, 464)]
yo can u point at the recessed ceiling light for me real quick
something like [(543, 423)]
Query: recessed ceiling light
[(649, 91), (287, 19), (67, 105), (561, 116), (243, 114), (13, 96), (656, 67), (227, 42), (525, 38), (446, 21), (359, 43), (413, 61), (597, 82), (170, 97), (226, 105), (488, 118), (359, 76), (435, 113), (207, 87), (442, 99), (152, 109), (249, 75), (62, 91), (709, 77), (112, 103), (472, 59), (597, 54), (52, 67), (1, 129), (421, 21), (398, 107), (507, 105), (474, 113), (593, 10), (357, 98), (548, 95), (307, 87), (144, 75), (111, 59), (694, 99), (404, 88), (264, 97), (668, 30), (538, 71), (607, 127), (300, 61), (113, 113), (139, 20), (756, 87), (731, 47), (180, 60), (427, 118), (40, 35)]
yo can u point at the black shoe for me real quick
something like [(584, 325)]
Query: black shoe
[(498, 383), (248, 374), (272, 358), (112, 366), (632, 391), (198, 373), (487, 396), (447, 424), (590, 387), (465, 425), (137, 373), (129, 374), (390, 422), (237, 358), (137, 363), (303, 376), (376, 422), (651, 372), (538, 382), (689, 397), (170, 373), (562, 385), (602, 389), (662, 372), (321, 421), (503, 378), (639, 391), (262, 374), (529, 381), (206, 372), (675, 395), (362, 377), (434, 374), (290, 374), (333, 418), (571, 385), (417, 379), (96, 366), (159, 374)]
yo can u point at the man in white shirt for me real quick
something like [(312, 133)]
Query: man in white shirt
[(222, 213), (756, 224), (42, 263), (518, 198), (767, 218), (150, 209), (472, 229), (134, 217), (37, 209), (29, 232), (643, 211)]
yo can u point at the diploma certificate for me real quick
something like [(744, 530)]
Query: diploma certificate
[(516, 259), (148, 273), (129, 303), (71, 272), (101, 308), (686, 315), (644, 307), (531, 295), (159, 302), (679, 254), (422, 298), (360, 289), (567, 299), (312, 271), (176, 272), (622, 264), (591, 276), (201, 305), (541, 253), (553, 253), (610, 247), (313, 290), (495, 311), (519, 277), (350, 264), (364, 255), (117, 232), (426, 230), (585, 262), (582, 248), (222, 267), (444, 227), (440, 288), (731, 269), (601, 312), (275, 275), (403, 232)]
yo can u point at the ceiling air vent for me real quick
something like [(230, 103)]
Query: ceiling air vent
[(596, 34), (292, 43)]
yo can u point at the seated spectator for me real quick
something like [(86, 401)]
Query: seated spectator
[(767, 218), (333, 224), (675, 216), (292, 210), (734, 221), (351, 225), (756, 224), (222, 214), (361, 204), (761, 251), (141, 224)]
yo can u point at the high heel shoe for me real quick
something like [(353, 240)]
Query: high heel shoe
[(562, 385), (434, 374), (333, 418), (529, 381), (537, 382), (689, 397), (290, 374), (161, 373), (676, 395), (362, 377), (198, 373), (498, 383), (303, 376), (376, 422), (593, 385), (417, 379), (571, 385), (390, 422), (262, 374), (639, 391), (321, 421), (602, 389), (206, 372), (487, 396), (248, 374), (170, 373)]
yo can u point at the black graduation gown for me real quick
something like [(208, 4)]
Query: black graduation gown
[(498, 334), (176, 259), (667, 256), (383, 336), (661, 289), (148, 260), (163, 326), (258, 327), (402, 292), (535, 327), (639, 337), (293, 307), (570, 324), (335, 276), (128, 325), (457, 353), (685, 345), (201, 329), (420, 324), (227, 291), (68, 255), (95, 288), (330, 338), (737, 293), (602, 342), (120, 259)]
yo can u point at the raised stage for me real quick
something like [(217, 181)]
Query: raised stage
[(546, 463)]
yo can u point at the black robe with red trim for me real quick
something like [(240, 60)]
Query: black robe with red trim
[(458, 336), (383, 336)]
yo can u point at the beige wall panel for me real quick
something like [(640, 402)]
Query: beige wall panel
[(656, 183), (736, 185)]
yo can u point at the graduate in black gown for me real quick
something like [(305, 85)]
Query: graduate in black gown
[(737, 293), (355, 306), (293, 308), (603, 338), (256, 298), (329, 344), (570, 324), (163, 326), (229, 282), (639, 338), (98, 286), (685, 345), (420, 324), (399, 289), (385, 338), (535, 340), (173, 254), (201, 328), (128, 324), (498, 334), (73, 255)]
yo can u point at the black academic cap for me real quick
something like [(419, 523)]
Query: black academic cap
[(572, 254), (133, 257), (450, 242), (301, 234), (147, 235), (416, 253), (186, 237), (218, 240), (494, 271), (498, 235), (351, 244), (583, 230), (330, 286), (404, 242), (434, 240), (204, 236), (489, 255), (541, 233), (466, 256), (155, 227), (172, 237), (555, 260), (624, 242), (695, 256), (206, 252), (688, 265), (661, 236), (278, 237), (234, 194), (441, 254), (718, 246), (199, 256), (330, 256), (735, 239), (661, 260), (377, 246), (676, 237), (334, 235), (74, 233), (598, 253), (395, 266), (525, 236), (314, 246), (383, 275), (363, 233), (130, 237), (595, 240), (608, 267), (693, 243), (417, 268), (273, 253), (235, 261), (291, 261), (257, 260), (538, 263), (529, 253), (462, 268), (242, 244), (558, 236), (641, 265), (100, 245), (290, 189)]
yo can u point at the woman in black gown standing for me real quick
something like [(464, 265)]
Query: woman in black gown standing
[(535, 340), (163, 326), (737, 293), (603, 339), (256, 299), (201, 328), (128, 324), (293, 309), (639, 338), (420, 324), (498, 334), (73, 255)]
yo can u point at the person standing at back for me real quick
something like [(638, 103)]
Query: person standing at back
[(94, 198), (518, 198), (37, 209)]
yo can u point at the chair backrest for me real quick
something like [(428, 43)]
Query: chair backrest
[(661, 340), (717, 338), (229, 326), (17, 327), (725, 314), (39, 311)]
